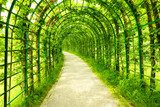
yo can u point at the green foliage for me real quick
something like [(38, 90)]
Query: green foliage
[(36, 98), (131, 88), (89, 28), (105, 74)]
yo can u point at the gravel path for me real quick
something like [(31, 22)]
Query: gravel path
[(78, 87)]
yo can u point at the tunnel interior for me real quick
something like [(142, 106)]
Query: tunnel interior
[(123, 35)]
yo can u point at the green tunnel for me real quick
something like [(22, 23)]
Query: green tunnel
[(123, 35)]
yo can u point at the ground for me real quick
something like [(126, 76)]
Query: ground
[(78, 87)]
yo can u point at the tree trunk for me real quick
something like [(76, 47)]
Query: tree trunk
[(152, 50), (156, 17), (38, 55), (127, 45), (31, 66), (1, 25), (118, 45)]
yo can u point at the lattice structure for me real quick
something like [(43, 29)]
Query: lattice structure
[(124, 35)]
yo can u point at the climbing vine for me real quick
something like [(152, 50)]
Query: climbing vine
[(122, 35)]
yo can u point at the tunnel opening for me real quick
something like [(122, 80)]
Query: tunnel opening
[(122, 35)]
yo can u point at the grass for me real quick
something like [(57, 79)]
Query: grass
[(128, 91), (36, 98)]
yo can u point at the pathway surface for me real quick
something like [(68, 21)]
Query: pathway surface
[(78, 87)]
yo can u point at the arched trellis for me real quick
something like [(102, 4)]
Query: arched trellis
[(48, 21), (97, 17), (127, 69), (92, 27)]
